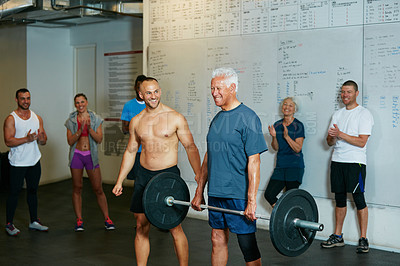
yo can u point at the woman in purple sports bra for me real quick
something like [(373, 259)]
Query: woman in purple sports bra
[(84, 133)]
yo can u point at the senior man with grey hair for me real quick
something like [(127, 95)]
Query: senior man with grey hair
[(231, 166)]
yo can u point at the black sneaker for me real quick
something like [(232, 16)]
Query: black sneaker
[(363, 246), (333, 241)]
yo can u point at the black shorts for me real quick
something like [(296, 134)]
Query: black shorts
[(144, 176), (134, 171), (348, 177)]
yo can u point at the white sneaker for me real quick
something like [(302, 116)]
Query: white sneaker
[(11, 230), (36, 225)]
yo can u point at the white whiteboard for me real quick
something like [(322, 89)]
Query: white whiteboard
[(382, 97), (275, 60)]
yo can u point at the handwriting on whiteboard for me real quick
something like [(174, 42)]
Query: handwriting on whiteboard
[(182, 19)]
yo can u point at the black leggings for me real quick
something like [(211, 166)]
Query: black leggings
[(17, 175), (359, 200), (276, 186), (248, 246)]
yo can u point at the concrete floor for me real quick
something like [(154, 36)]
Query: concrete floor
[(95, 246)]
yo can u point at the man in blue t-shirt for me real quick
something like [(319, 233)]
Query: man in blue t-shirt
[(231, 167), (130, 110)]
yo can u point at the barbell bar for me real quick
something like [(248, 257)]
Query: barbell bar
[(293, 221), (170, 201)]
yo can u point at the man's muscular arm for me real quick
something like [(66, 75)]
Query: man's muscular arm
[(201, 180), (253, 169), (42, 136), (127, 160), (9, 134)]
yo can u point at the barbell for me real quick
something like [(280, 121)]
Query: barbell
[(293, 221)]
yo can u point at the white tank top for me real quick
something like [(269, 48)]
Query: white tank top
[(27, 154)]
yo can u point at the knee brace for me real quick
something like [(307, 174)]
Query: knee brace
[(248, 246), (340, 199), (359, 200)]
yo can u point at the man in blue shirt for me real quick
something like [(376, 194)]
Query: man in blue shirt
[(232, 168), (130, 110)]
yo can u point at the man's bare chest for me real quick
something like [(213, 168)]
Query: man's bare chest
[(156, 129)]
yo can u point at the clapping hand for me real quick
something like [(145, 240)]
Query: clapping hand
[(272, 131), (41, 136), (285, 132), (86, 121), (31, 136), (334, 131)]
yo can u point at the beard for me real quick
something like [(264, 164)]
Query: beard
[(148, 103), (23, 107)]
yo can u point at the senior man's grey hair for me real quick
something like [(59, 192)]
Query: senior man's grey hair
[(229, 74)]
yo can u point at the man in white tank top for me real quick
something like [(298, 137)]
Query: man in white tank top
[(23, 131)]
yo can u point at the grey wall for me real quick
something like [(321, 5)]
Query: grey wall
[(12, 69)]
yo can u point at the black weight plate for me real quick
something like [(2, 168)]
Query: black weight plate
[(287, 240), (155, 208)]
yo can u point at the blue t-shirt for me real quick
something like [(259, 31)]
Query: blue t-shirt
[(286, 157), (130, 110), (233, 136)]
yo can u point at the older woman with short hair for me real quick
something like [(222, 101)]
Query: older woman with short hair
[(287, 138)]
